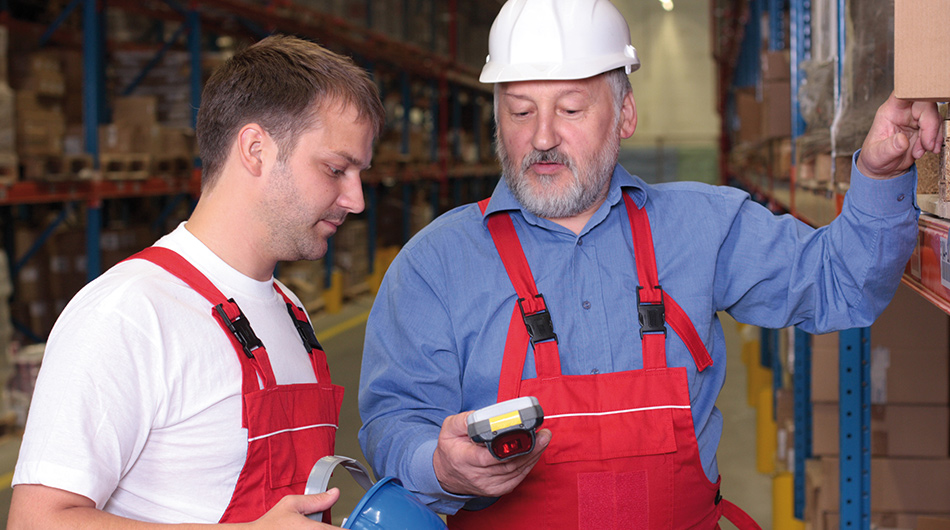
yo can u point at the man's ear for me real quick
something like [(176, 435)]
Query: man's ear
[(251, 140), (628, 116)]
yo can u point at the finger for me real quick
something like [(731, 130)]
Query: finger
[(931, 125)]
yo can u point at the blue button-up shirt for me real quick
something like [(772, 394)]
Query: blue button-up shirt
[(436, 334)]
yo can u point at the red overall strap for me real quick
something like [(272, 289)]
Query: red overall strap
[(547, 358), (318, 358), (652, 294), (252, 367)]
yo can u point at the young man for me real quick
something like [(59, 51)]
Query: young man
[(185, 385), (624, 350)]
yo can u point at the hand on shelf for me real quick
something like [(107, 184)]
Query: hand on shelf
[(902, 132)]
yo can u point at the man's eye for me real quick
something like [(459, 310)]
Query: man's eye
[(336, 172)]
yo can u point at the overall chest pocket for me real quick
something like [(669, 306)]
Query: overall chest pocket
[(300, 423), (604, 416)]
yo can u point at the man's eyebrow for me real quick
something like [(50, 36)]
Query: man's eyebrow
[(352, 160)]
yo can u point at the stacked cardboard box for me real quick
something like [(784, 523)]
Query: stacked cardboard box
[(306, 279), (910, 394), (920, 49), (351, 255), (6, 323), (41, 125), (9, 169)]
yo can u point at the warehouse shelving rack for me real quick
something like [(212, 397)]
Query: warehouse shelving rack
[(738, 64), (447, 78)]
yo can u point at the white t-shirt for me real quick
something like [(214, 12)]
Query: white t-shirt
[(138, 402)]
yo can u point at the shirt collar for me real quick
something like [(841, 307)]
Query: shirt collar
[(502, 199)]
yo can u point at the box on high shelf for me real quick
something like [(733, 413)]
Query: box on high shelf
[(776, 109), (4, 54), (7, 119), (40, 125), (896, 430), (775, 65), (40, 72), (126, 138), (921, 48), (909, 355), (135, 110), (748, 126)]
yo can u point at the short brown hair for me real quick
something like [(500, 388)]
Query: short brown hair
[(280, 83)]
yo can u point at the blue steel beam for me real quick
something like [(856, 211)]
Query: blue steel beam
[(153, 62), (63, 15), (854, 423), (193, 21), (800, 51), (776, 25), (39, 242), (92, 87)]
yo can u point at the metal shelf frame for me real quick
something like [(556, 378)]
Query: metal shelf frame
[(447, 77), (855, 343)]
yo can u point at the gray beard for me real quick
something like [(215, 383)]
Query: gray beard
[(585, 190)]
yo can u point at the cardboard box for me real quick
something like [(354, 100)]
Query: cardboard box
[(135, 110), (128, 138), (7, 119), (776, 66), (921, 48), (927, 522), (776, 109), (4, 54), (749, 115), (40, 127), (898, 485), (879, 521), (909, 355), (896, 430)]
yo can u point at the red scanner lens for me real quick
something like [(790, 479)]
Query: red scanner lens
[(512, 444)]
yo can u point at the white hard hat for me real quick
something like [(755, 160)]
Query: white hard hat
[(557, 39)]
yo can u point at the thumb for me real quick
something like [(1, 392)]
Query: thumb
[(886, 157), (318, 502), (899, 143)]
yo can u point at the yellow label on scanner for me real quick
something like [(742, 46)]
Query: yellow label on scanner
[(505, 420)]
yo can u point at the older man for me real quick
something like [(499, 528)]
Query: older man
[(581, 285)]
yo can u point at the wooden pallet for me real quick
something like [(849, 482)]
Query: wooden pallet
[(172, 165), (125, 166), (54, 168), (9, 168)]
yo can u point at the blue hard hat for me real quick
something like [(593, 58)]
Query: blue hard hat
[(385, 506)]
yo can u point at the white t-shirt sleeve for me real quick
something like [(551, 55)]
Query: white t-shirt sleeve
[(95, 398)]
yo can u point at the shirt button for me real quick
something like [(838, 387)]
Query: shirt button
[(900, 197), (580, 241), (585, 304), (595, 371)]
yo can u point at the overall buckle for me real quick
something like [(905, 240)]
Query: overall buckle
[(539, 324), (240, 328), (652, 315), (305, 330)]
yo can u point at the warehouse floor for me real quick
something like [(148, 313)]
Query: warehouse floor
[(342, 337)]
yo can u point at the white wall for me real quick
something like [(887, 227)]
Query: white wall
[(675, 87)]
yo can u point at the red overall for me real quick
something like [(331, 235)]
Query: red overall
[(289, 427), (623, 453)]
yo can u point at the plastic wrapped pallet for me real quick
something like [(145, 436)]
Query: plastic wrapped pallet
[(867, 73)]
